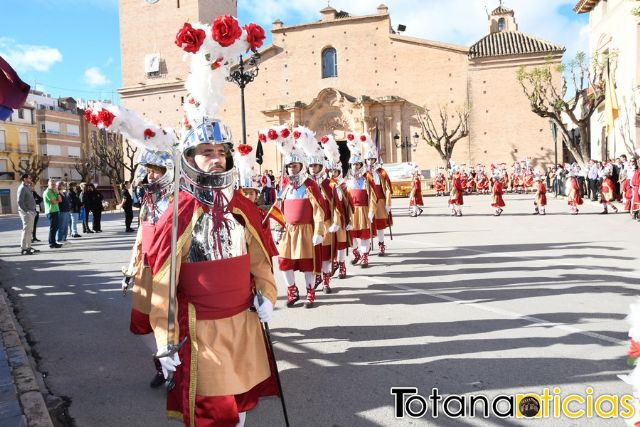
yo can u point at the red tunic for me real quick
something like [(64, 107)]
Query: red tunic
[(541, 197), (635, 195), (574, 192), (457, 188), (439, 184), (607, 191), (627, 190), (416, 191), (497, 192)]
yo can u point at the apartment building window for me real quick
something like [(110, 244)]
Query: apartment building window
[(329, 63), (21, 113), (73, 130), (50, 127), (74, 152), (4, 164), (24, 142), (53, 150), (3, 146)]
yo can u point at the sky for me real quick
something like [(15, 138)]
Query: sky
[(72, 47)]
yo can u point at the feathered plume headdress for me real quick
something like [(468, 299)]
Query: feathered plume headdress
[(331, 152), (244, 158)]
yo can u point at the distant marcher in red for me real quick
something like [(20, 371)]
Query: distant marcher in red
[(415, 198), (541, 196), (574, 199), (497, 192)]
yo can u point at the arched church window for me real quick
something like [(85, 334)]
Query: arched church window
[(501, 24), (329, 63)]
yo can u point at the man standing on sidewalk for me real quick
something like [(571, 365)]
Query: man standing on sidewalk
[(27, 210), (52, 210)]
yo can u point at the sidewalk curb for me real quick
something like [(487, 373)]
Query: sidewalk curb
[(27, 386)]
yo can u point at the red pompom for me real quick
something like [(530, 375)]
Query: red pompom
[(255, 36), (273, 135), (244, 149), (285, 133), (106, 117), (363, 138), (350, 137), (324, 139), (88, 115), (148, 133), (262, 137), (296, 134), (225, 30), (189, 38)]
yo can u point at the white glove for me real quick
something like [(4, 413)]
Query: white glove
[(317, 239), (388, 208), (265, 310), (349, 227), (169, 363), (334, 228), (126, 284), (371, 217)]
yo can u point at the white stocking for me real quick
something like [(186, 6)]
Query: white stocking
[(289, 277), (150, 341), (342, 255), (309, 278), (364, 246), (380, 236), (326, 266), (243, 417)]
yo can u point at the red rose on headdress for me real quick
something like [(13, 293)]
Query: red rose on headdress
[(148, 133), (262, 137), (272, 134), (225, 30), (190, 39), (255, 36), (350, 137), (106, 117), (363, 138), (324, 139), (244, 149), (187, 125), (296, 134), (192, 100), (634, 349), (285, 133), (215, 65), (88, 115)]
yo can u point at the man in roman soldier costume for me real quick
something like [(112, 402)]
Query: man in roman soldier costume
[(304, 211), (439, 183), (497, 191), (156, 173), (607, 190), (541, 195), (527, 180), (382, 191), (455, 194), (315, 160), (471, 180), (626, 175), (223, 264), (506, 182), (341, 208), (415, 197), (482, 180), (363, 202), (574, 199), (635, 187)]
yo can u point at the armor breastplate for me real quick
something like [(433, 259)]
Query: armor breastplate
[(154, 205), (204, 246)]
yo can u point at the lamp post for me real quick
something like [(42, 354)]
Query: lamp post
[(242, 78), (554, 134), (406, 143)]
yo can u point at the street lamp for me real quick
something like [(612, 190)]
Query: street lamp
[(242, 78), (406, 143), (554, 134)]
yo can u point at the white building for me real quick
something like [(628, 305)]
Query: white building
[(613, 28)]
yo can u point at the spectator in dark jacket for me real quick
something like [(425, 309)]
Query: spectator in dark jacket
[(74, 195), (93, 204), (127, 206), (38, 199), (83, 204)]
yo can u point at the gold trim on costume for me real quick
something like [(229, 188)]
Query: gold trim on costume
[(193, 374), (254, 233), (175, 415)]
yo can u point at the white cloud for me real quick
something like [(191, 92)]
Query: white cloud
[(94, 77), (24, 58), (452, 21)]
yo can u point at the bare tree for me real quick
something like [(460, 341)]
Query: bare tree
[(87, 165), (129, 163), (546, 88), (34, 166), (107, 148), (442, 130)]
